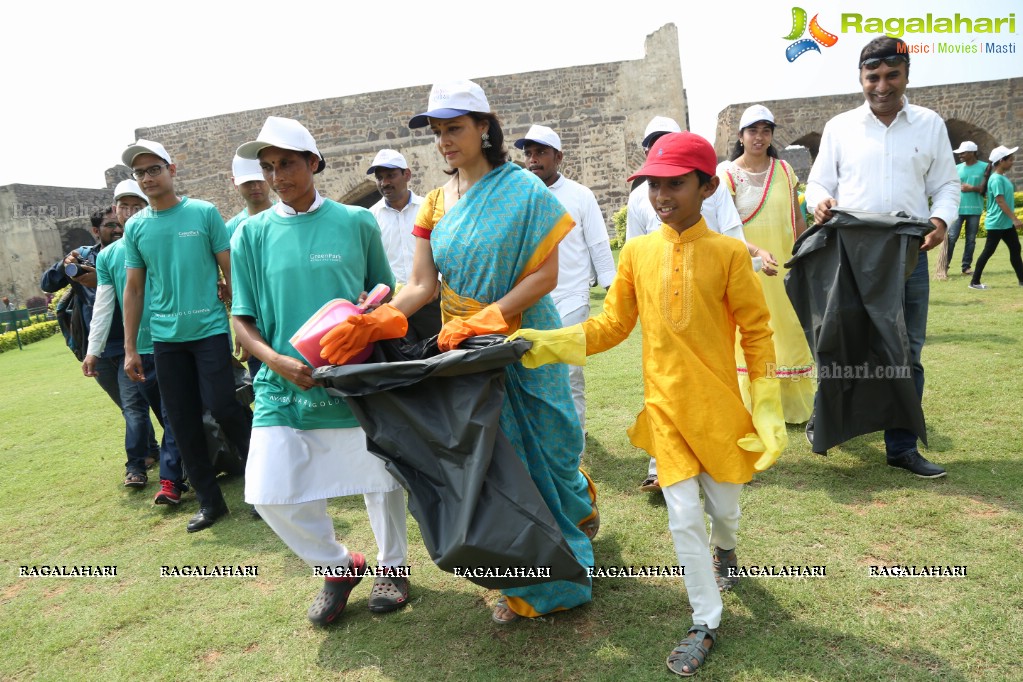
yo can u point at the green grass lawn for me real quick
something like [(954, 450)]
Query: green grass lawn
[(61, 502)]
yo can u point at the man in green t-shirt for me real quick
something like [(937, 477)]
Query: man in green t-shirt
[(306, 445), (173, 249), (971, 203)]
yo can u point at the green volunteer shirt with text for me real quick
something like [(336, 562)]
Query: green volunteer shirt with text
[(996, 219), (177, 248), (971, 203), (110, 271), (284, 269)]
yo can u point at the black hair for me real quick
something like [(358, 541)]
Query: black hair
[(737, 148), (704, 178), (884, 46), (96, 217), (496, 154)]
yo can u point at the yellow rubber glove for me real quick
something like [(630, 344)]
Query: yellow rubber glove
[(771, 437), (566, 345), (487, 321)]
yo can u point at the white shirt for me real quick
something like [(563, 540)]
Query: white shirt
[(866, 165), (718, 210), (285, 211), (396, 231), (585, 249)]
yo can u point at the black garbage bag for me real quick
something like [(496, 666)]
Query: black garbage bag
[(434, 420), (846, 281)]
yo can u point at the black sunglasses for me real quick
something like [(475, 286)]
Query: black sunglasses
[(893, 60)]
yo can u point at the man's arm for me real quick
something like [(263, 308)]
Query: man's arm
[(224, 261), (134, 300), (99, 327), (822, 184), (285, 366), (597, 243)]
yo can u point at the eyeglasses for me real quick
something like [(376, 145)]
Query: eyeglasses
[(893, 60), (152, 171)]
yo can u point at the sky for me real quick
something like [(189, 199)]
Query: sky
[(80, 78)]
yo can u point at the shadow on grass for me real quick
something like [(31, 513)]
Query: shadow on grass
[(979, 339), (983, 480)]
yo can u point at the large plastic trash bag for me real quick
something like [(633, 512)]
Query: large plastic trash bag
[(434, 420), (846, 283)]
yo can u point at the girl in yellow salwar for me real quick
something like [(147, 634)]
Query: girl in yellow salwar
[(492, 232), (689, 288), (764, 189)]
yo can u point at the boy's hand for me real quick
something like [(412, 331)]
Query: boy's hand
[(566, 345), (771, 437)]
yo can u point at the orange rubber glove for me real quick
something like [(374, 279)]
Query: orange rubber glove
[(487, 321), (347, 339)]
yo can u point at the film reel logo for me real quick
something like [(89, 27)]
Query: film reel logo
[(817, 35)]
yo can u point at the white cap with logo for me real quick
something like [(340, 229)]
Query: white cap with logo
[(144, 147), (542, 135), (659, 124), (245, 170), (387, 158), (966, 146), (450, 100), (1000, 152), (284, 133), (755, 114), (126, 188)]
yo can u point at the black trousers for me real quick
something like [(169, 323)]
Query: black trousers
[(193, 374), (1011, 240)]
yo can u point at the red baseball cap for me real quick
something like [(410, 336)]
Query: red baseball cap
[(677, 154)]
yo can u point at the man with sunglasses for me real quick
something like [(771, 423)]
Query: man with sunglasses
[(173, 249), (890, 155), (139, 438)]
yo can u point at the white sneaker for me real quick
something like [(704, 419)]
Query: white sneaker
[(979, 286)]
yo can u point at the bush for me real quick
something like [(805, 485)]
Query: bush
[(618, 220), (30, 334), (35, 302)]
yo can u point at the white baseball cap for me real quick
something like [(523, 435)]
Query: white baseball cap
[(542, 135), (452, 99), (144, 147), (245, 170), (284, 133), (659, 124), (755, 114), (387, 158), (966, 146), (1000, 152), (127, 188)]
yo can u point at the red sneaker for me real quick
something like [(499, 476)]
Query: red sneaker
[(169, 493)]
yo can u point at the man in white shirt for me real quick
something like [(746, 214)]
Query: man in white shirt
[(585, 249), (396, 216), (890, 155)]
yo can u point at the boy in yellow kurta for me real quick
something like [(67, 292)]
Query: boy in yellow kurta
[(689, 287)]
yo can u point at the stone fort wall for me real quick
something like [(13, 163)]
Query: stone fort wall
[(599, 110), (988, 112)]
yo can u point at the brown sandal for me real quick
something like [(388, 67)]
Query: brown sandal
[(135, 480)]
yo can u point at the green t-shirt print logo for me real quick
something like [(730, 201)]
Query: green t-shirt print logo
[(818, 35)]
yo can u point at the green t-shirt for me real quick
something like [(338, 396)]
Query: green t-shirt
[(971, 203), (283, 271), (177, 248), (234, 222), (999, 186), (110, 271)]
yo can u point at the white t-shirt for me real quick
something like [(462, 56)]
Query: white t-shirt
[(396, 231), (718, 210), (585, 249)]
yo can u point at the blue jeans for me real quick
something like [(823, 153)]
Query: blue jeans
[(148, 392), (917, 293), (193, 374), (139, 437), (972, 225)]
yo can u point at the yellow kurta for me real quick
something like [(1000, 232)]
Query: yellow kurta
[(689, 291)]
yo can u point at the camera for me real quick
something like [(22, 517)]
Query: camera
[(78, 268)]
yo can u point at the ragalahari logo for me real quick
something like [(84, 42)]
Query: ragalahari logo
[(818, 34)]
